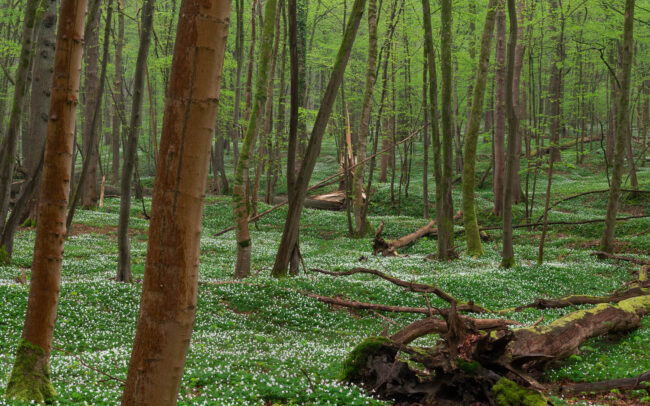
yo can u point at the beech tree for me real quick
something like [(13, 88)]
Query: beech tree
[(30, 376), (169, 289)]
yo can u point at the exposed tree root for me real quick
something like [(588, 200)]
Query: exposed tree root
[(388, 248)]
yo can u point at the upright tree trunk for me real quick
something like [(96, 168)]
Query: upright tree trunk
[(40, 100), (508, 255), (622, 128), (10, 140), (240, 198), (248, 90), (30, 376), (519, 106), (433, 113), (474, 247), (360, 220), (118, 94), (555, 78), (446, 223), (425, 142), (290, 230), (131, 147), (88, 188), (499, 110), (169, 289)]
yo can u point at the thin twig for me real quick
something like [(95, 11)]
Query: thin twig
[(82, 362)]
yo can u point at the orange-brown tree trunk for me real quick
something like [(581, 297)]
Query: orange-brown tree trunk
[(30, 377), (170, 283)]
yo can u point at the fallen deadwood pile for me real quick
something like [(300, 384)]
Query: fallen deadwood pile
[(484, 361), (388, 248)]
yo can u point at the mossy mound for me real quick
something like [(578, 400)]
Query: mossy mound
[(358, 357), (508, 393)]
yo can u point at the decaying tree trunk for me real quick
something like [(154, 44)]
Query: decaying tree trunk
[(480, 360), (388, 248)]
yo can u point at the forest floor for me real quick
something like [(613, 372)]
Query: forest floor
[(263, 342)]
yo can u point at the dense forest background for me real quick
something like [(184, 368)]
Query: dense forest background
[(459, 184)]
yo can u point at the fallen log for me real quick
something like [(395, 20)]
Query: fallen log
[(388, 248), (492, 368), (577, 300), (603, 254), (329, 201)]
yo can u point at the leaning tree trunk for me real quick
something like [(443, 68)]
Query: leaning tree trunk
[(360, 222), (622, 128), (169, 289), (508, 254), (10, 140), (472, 234), (30, 377), (131, 147), (499, 110), (290, 231), (240, 198)]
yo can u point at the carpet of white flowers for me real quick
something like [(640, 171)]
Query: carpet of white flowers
[(264, 343)]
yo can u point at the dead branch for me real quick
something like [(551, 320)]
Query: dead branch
[(637, 261), (640, 382), (554, 223), (368, 306), (85, 364), (409, 286), (388, 248), (577, 300)]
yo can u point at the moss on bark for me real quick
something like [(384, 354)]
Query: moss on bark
[(30, 377), (508, 393), (358, 357)]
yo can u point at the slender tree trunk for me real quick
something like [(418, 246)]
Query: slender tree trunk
[(520, 49), (118, 94), (248, 90), (555, 80), (30, 376), (508, 255), (622, 128), (433, 116), (360, 220), (499, 110), (89, 167), (88, 188), (474, 247), (242, 266), (425, 142), (290, 231), (239, 57), (446, 223), (10, 141), (169, 289), (131, 146)]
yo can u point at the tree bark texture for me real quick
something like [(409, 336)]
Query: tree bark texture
[(118, 95), (498, 173), (131, 147), (622, 128), (474, 247), (30, 378), (169, 289), (240, 198)]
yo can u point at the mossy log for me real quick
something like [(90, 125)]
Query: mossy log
[(480, 367)]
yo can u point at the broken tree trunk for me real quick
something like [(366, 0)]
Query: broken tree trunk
[(486, 368), (388, 248)]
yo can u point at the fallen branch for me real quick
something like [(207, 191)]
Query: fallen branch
[(577, 300), (432, 325), (82, 362), (388, 248), (640, 382), (621, 258), (534, 153), (410, 286), (554, 223), (368, 306), (590, 193)]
